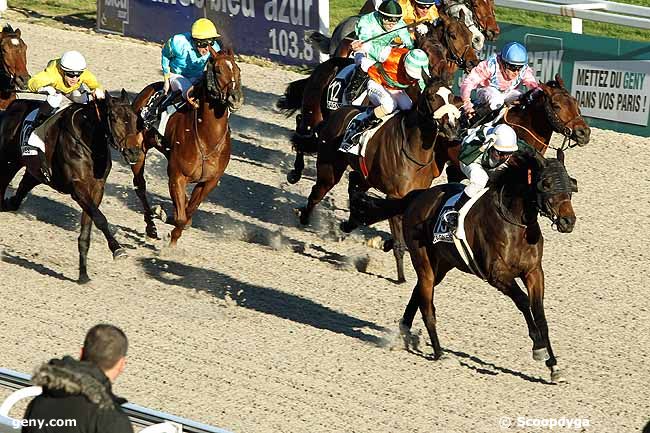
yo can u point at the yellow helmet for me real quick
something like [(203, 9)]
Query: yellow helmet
[(203, 28)]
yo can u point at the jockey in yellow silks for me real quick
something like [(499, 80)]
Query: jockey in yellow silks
[(419, 11)]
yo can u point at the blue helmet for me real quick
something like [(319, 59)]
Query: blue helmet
[(514, 53)]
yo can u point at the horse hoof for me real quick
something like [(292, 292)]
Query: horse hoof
[(347, 226), (540, 354), (83, 279), (120, 254), (293, 176), (304, 217), (152, 233), (159, 212), (558, 377)]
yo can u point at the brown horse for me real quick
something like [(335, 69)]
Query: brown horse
[(77, 147), (448, 46), (536, 117), (13, 65), (405, 153), (502, 232), (196, 141)]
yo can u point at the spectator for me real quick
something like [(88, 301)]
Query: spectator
[(81, 390)]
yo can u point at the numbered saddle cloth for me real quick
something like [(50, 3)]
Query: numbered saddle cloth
[(337, 94), (355, 142)]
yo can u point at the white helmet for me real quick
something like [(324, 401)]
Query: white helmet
[(72, 61), (503, 138)]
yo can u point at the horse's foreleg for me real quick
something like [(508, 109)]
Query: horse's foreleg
[(399, 246), (328, 175), (356, 185), (199, 193), (83, 244), (7, 173), (27, 183), (177, 186), (140, 185), (534, 282), (523, 304)]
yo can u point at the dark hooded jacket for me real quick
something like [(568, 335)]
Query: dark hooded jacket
[(76, 390)]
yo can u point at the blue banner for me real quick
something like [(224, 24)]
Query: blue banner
[(272, 29)]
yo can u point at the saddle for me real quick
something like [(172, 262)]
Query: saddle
[(159, 108), (347, 88)]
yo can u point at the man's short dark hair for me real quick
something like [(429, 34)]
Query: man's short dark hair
[(104, 346)]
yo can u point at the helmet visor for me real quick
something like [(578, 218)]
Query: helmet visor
[(511, 67), (72, 74), (203, 43)]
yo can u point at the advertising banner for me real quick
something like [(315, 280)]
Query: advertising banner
[(272, 29)]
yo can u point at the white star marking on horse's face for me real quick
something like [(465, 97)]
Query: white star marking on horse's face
[(15, 41)]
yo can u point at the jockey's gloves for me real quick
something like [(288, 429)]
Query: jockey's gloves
[(54, 100), (422, 29), (47, 89), (99, 93)]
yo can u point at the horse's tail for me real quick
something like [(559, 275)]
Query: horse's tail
[(368, 210), (322, 42), (291, 101)]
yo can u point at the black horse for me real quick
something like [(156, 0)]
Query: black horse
[(77, 148), (502, 233)]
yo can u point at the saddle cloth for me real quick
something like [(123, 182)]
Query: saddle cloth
[(336, 93), (359, 148)]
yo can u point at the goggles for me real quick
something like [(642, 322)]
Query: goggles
[(511, 67), (501, 155), (203, 43), (422, 5), (72, 74), (392, 20)]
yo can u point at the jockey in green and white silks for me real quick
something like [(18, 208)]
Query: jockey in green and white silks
[(382, 22), (478, 157)]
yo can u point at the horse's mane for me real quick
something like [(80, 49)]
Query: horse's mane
[(515, 172)]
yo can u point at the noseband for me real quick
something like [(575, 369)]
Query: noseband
[(561, 184), (558, 125)]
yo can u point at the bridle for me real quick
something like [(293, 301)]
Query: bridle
[(5, 74), (219, 92), (559, 126), (455, 58)]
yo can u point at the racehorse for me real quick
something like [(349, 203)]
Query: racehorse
[(448, 46), (77, 147), (13, 65), (196, 141), (536, 117), (404, 154), (502, 235)]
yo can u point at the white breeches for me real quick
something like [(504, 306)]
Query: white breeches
[(477, 176), (495, 97), (389, 100), (179, 82)]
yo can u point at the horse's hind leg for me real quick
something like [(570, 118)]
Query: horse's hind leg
[(328, 175), (27, 183), (356, 185), (83, 243), (399, 246), (140, 185)]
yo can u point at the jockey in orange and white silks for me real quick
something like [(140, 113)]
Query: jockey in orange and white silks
[(498, 77), (185, 55)]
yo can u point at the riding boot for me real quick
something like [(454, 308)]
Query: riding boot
[(38, 166), (451, 217), (157, 105), (356, 81), (358, 127)]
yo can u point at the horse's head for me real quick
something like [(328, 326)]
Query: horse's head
[(549, 186), (459, 40), (13, 53), (460, 11), (484, 18), (437, 109), (121, 123), (223, 79), (436, 53), (563, 112)]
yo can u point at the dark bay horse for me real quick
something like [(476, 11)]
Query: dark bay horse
[(13, 65), (502, 231), (551, 109), (78, 149), (405, 153), (448, 46), (196, 141)]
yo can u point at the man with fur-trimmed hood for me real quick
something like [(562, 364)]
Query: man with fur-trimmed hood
[(81, 390)]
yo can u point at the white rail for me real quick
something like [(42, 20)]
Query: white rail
[(615, 13), (140, 416)]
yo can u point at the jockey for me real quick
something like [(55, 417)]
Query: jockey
[(477, 158), (419, 11), (379, 27), (64, 76), (184, 57), (388, 82), (497, 79)]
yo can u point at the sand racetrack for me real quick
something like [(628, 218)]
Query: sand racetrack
[(258, 325)]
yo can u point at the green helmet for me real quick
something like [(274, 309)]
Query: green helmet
[(390, 9), (414, 62)]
